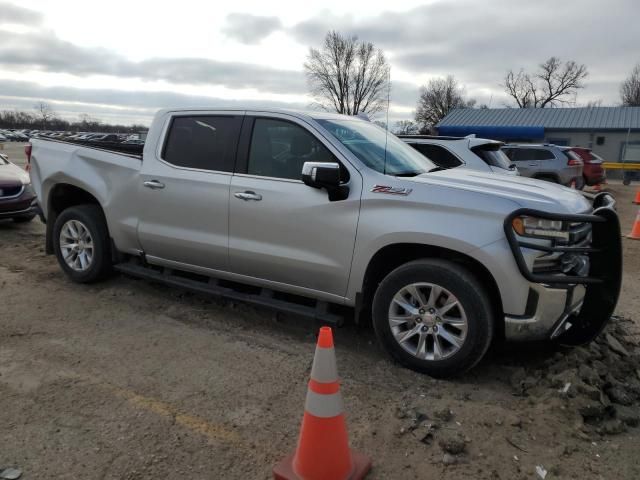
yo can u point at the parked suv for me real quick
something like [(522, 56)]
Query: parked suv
[(547, 162), (314, 212), (465, 152)]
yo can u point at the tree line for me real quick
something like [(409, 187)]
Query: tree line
[(43, 117), (352, 77)]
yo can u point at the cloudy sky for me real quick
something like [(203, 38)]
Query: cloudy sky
[(122, 60)]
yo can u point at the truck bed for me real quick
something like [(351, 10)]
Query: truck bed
[(114, 147)]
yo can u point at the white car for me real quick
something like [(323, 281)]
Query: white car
[(469, 152)]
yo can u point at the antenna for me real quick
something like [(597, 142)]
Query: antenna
[(386, 137)]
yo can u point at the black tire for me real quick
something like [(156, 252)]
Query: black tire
[(626, 181), (92, 217), (24, 218), (469, 292)]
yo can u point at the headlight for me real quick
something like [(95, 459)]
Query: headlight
[(540, 228)]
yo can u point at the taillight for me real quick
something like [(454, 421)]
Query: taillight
[(27, 152), (574, 159)]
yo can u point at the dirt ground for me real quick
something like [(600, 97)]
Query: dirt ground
[(130, 380)]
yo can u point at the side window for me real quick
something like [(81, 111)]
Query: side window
[(543, 154), (530, 154), (510, 152), (437, 154), (521, 154), (280, 148), (203, 142)]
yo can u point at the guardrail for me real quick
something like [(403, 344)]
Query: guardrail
[(621, 166)]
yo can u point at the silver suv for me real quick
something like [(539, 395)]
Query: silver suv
[(551, 163), (469, 152)]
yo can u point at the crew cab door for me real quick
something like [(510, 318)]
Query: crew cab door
[(184, 191), (281, 230)]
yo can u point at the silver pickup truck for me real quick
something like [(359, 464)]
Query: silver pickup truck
[(321, 214)]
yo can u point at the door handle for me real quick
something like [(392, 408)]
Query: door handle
[(153, 184), (533, 164), (248, 195)]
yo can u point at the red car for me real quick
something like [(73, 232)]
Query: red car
[(593, 172)]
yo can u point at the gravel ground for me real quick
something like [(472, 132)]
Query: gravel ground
[(130, 380)]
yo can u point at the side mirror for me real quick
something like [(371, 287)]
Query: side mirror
[(325, 175)]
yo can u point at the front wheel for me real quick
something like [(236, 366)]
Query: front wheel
[(433, 316), (81, 243)]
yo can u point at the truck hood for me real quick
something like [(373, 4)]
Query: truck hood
[(526, 192)]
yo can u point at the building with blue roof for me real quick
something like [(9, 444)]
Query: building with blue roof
[(612, 132)]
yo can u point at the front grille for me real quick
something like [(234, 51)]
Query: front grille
[(8, 191), (579, 259), (569, 262)]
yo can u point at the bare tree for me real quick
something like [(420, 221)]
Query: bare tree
[(437, 99), (593, 103), (347, 75), (630, 89), (554, 84), (405, 127), (44, 112)]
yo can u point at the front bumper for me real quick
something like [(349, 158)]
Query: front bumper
[(22, 208), (574, 309), (547, 314)]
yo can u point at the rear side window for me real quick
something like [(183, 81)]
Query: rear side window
[(438, 155), (280, 148), (492, 155), (203, 142), (529, 154)]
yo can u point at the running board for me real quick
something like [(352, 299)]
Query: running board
[(265, 297)]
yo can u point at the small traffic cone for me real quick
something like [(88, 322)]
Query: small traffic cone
[(597, 188), (573, 184), (323, 451), (637, 199), (635, 230)]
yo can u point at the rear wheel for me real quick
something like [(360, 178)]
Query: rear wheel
[(81, 243), (433, 316)]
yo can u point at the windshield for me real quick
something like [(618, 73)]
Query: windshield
[(493, 156), (368, 141)]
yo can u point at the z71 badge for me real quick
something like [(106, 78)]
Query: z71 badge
[(391, 190)]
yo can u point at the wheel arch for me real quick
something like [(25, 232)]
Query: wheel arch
[(62, 196), (389, 257)]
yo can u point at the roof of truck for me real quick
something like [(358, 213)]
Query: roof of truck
[(314, 114)]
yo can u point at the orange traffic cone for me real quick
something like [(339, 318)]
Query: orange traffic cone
[(323, 451), (635, 230), (637, 199), (573, 184)]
